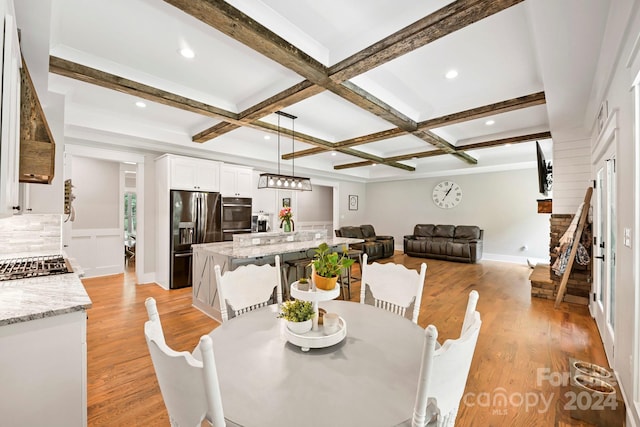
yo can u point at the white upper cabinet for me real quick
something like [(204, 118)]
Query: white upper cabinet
[(236, 181), (10, 64), (194, 174)]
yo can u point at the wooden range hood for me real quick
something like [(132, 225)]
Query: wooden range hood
[(37, 147)]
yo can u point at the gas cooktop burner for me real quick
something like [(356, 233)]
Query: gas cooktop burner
[(24, 268)]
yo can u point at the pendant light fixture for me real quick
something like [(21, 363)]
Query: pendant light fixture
[(285, 182)]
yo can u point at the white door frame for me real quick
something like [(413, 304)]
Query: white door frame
[(603, 166), (122, 156)]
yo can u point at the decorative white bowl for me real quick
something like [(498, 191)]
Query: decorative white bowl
[(300, 327)]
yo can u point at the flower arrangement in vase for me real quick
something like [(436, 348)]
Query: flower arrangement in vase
[(328, 266), (286, 219), (298, 315)]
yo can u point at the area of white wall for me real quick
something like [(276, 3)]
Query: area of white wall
[(96, 187), (315, 205), (619, 98), (503, 204), (571, 172), (352, 217)]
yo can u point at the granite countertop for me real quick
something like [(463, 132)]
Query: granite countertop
[(228, 249), (39, 297)]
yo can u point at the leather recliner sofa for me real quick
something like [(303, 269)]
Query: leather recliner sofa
[(449, 242), (374, 246)]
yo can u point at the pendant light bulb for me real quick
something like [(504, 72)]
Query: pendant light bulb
[(270, 181)]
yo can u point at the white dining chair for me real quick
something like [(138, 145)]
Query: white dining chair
[(443, 376), (248, 287), (189, 387), (393, 286), (469, 314)]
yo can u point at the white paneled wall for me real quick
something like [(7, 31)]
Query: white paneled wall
[(100, 252), (571, 174)]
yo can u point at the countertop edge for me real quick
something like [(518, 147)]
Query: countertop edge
[(44, 314)]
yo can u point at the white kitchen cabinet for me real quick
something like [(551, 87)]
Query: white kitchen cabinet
[(236, 181), (194, 174), (10, 64), (43, 367)]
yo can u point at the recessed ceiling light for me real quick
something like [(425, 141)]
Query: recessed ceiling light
[(130, 163), (374, 164), (489, 122), (187, 53), (140, 104), (508, 144), (333, 153), (451, 74), (414, 158), (267, 137)]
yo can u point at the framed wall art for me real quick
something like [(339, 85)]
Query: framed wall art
[(353, 202)]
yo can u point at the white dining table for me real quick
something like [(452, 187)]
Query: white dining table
[(368, 379)]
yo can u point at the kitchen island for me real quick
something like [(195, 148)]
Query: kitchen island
[(43, 361), (254, 248)]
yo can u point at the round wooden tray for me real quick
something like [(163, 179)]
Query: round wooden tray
[(317, 295), (317, 339)]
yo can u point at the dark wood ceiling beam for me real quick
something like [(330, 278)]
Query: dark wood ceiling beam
[(353, 165), (445, 146), (235, 24), (444, 21), (376, 159), (472, 114), (110, 81), (438, 152), (510, 140), (378, 136), (232, 22), (290, 96), (486, 110)]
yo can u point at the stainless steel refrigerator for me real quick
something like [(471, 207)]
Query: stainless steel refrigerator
[(196, 217)]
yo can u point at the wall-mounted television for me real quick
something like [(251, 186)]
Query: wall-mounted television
[(545, 172)]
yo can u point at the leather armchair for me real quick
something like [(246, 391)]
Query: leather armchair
[(374, 246), (387, 241)]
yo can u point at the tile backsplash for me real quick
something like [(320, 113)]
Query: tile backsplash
[(39, 233)]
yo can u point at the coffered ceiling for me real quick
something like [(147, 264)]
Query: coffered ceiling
[(366, 80)]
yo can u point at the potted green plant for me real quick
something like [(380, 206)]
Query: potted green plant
[(328, 266), (298, 315)]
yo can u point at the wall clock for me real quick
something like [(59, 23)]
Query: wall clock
[(447, 194)]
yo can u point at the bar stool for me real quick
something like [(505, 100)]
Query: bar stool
[(297, 268), (355, 254)]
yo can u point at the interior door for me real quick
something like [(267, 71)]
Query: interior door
[(604, 289)]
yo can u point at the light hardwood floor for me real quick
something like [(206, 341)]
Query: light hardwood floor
[(520, 338)]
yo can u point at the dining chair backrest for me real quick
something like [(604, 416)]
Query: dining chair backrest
[(469, 315), (248, 287), (443, 376), (189, 387), (393, 286)]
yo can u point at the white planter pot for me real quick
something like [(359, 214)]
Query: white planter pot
[(300, 327)]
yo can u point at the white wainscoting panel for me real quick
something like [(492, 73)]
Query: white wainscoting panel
[(100, 251), (315, 225)]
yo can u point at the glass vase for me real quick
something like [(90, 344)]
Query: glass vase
[(287, 226)]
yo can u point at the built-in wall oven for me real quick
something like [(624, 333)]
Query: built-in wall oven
[(236, 216)]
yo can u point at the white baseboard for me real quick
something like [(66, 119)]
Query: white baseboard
[(632, 410)]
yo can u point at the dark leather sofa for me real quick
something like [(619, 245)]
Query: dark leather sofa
[(374, 246), (453, 243)]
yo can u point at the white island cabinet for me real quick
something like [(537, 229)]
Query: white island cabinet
[(253, 248), (43, 351)]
